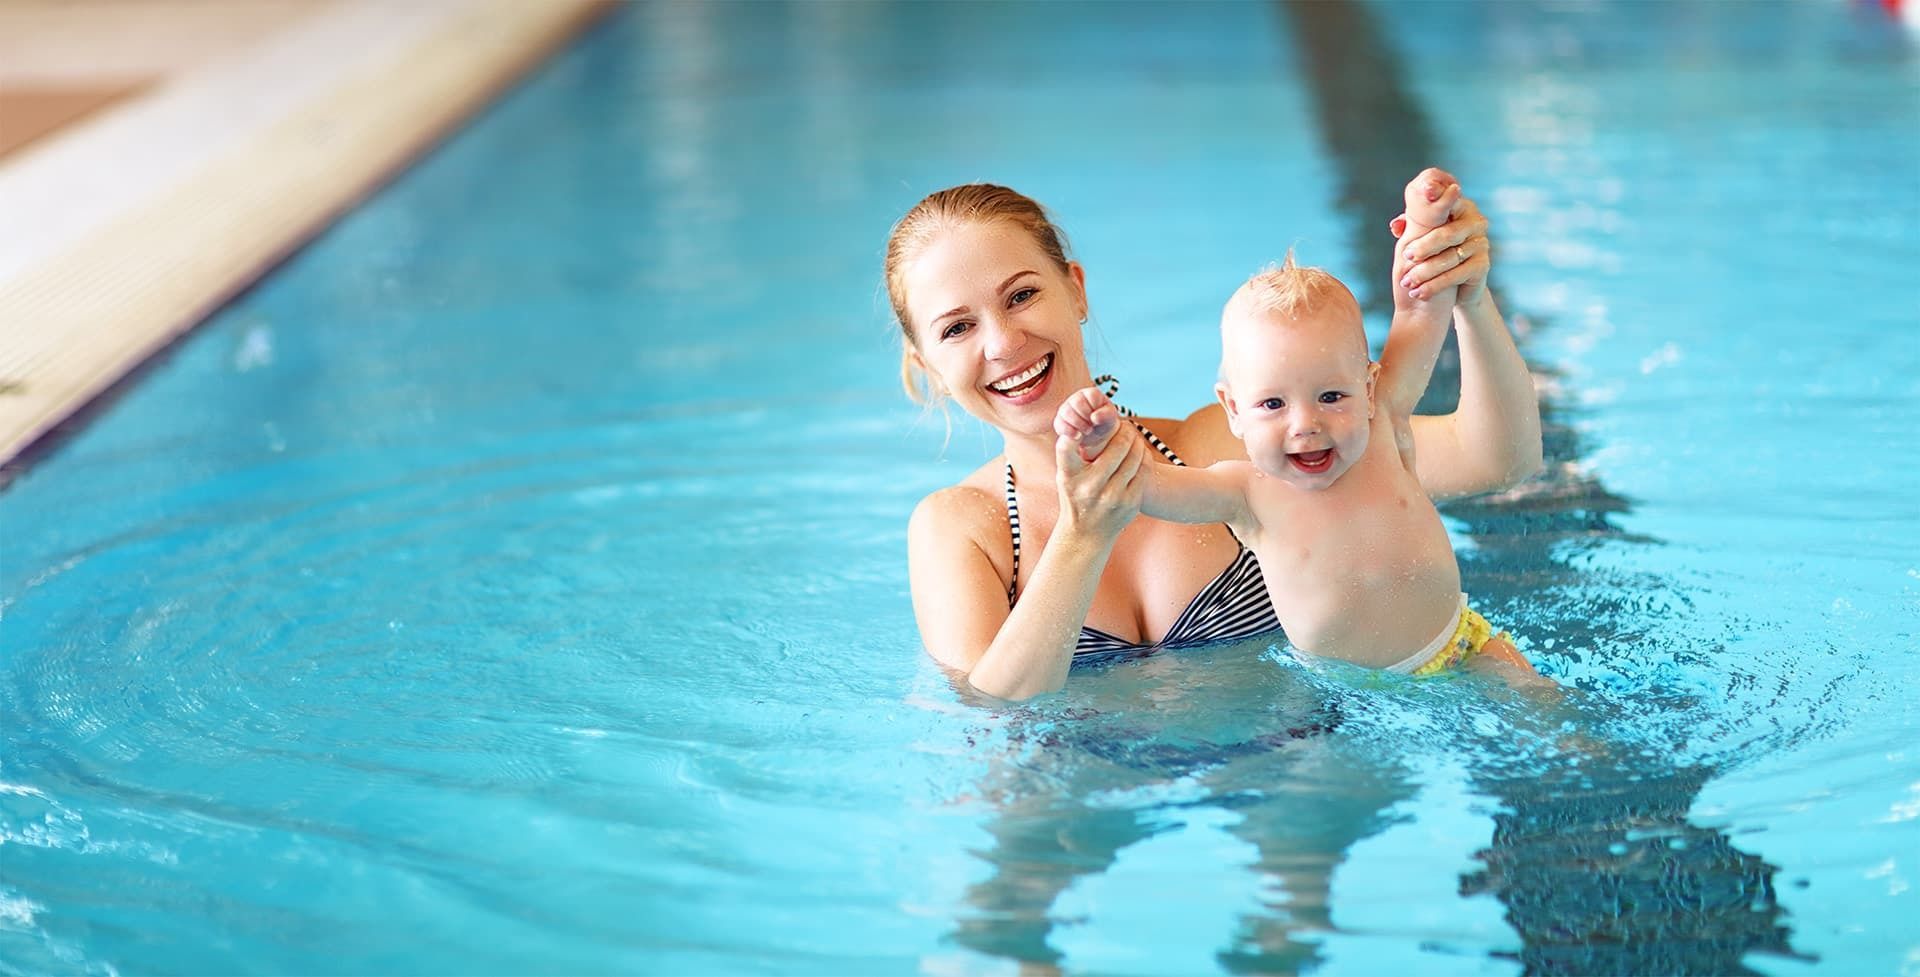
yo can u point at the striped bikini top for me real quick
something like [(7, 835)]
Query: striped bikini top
[(1232, 606)]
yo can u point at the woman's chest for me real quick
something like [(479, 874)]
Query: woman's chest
[(1153, 573), (1156, 570)]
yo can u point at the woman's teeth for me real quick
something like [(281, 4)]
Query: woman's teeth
[(1025, 378)]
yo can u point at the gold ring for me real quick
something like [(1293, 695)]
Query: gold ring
[(1461, 249)]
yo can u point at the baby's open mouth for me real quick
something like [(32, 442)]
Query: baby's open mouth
[(1312, 462), (1025, 380)]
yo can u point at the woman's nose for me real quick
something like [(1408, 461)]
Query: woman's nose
[(1004, 338)]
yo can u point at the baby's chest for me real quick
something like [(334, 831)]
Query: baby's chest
[(1389, 531)]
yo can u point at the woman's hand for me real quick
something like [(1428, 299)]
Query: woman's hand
[(1455, 253), (1101, 496)]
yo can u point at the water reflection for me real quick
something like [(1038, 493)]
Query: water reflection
[(1081, 785), (1587, 845), (1602, 872)]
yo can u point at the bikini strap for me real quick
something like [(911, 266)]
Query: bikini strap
[(1013, 522), (1112, 385)]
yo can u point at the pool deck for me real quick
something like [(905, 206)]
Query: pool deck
[(158, 156)]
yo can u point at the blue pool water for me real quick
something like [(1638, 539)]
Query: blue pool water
[(514, 580)]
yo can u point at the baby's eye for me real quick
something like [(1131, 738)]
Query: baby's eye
[(1273, 403), (1021, 295), (1332, 397), (955, 328)]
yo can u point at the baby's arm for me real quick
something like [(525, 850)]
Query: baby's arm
[(1420, 325), (1173, 493)]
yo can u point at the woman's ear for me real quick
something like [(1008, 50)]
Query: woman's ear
[(913, 365), (1225, 397), (933, 379), (1078, 275)]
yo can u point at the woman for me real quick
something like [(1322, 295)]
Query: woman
[(1037, 555)]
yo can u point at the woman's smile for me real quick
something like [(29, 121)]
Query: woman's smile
[(1026, 385)]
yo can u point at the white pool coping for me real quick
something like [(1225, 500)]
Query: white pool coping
[(119, 233)]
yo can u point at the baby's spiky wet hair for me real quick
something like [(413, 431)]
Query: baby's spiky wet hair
[(1288, 290), (1290, 297)]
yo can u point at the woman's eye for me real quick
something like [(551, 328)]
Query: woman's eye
[(1273, 403), (1020, 296), (1332, 397), (955, 328)]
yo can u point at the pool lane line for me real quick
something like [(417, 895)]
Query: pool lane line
[(78, 319), (1378, 136)]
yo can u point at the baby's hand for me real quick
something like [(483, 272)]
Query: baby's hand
[(1089, 418), (1428, 198)]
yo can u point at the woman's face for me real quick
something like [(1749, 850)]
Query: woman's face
[(997, 324)]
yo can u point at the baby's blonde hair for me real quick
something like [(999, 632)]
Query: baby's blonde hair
[(1288, 290)]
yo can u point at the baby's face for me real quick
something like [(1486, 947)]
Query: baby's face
[(1299, 393)]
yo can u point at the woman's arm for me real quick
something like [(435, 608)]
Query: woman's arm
[(960, 601)]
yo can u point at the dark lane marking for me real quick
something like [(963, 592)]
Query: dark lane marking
[(1375, 132), (1378, 137), (1581, 888)]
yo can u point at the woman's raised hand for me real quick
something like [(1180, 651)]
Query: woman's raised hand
[(1101, 496), (1456, 253)]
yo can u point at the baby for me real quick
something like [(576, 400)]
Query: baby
[(1355, 559)]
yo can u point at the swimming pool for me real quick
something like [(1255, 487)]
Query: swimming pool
[(514, 581)]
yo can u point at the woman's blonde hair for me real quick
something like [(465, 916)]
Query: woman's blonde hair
[(938, 211)]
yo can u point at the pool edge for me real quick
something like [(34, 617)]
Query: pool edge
[(82, 318)]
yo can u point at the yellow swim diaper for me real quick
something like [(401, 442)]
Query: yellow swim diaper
[(1470, 633)]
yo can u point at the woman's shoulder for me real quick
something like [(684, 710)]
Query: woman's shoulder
[(1201, 439), (974, 504)]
